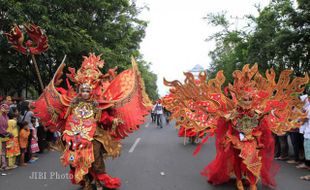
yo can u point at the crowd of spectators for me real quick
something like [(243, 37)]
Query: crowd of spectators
[(300, 140), (22, 137)]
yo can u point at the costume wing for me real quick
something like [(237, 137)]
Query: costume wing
[(196, 103), (130, 102), (282, 101), (53, 103)]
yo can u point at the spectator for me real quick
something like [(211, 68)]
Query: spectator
[(159, 113), (153, 114), (298, 148), (13, 105), (305, 130), (34, 147), (281, 147), (8, 101), (168, 114), (50, 139), (42, 135), (23, 141), (4, 135), (12, 146)]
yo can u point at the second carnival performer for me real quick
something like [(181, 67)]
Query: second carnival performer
[(243, 118), (94, 118)]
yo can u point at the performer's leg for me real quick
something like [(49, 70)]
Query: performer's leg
[(98, 167), (87, 182), (237, 170)]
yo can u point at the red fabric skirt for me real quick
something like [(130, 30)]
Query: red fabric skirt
[(223, 166)]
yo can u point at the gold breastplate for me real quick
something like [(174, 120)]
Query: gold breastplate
[(84, 110), (81, 124), (246, 124)]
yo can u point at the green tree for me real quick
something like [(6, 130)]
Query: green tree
[(75, 28), (149, 78), (230, 52), (278, 37)]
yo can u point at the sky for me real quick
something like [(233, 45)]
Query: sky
[(175, 36)]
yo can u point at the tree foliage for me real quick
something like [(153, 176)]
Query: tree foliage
[(278, 37), (75, 28)]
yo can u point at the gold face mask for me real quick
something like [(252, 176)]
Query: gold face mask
[(245, 102)]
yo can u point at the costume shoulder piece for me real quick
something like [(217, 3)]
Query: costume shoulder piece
[(49, 107)]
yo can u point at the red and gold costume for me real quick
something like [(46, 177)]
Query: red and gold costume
[(174, 107), (242, 118), (92, 127)]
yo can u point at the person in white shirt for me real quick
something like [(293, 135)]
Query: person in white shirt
[(159, 112), (305, 130)]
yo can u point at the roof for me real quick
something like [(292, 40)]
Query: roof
[(197, 68)]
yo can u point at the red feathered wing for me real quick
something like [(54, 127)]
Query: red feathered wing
[(130, 101), (51, 114)]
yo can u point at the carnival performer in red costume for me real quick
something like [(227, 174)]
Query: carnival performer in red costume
[(93, 115), (93, 119), (242, 119)]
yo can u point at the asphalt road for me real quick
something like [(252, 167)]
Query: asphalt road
[(152, 159)]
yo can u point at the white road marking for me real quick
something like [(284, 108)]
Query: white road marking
[(147, 125), (134, 145)]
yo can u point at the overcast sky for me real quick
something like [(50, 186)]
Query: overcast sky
[(175, 37)]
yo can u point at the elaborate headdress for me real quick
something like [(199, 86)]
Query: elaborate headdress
[(89, 75), (244, 87)]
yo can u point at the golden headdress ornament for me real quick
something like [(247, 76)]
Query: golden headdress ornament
[(89, 74)]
